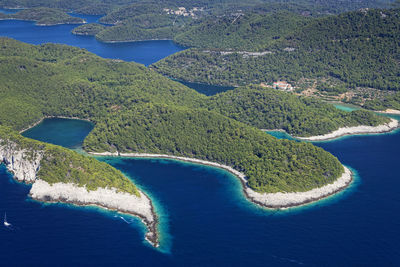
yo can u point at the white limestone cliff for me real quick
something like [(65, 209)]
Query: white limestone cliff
[(24, 164)]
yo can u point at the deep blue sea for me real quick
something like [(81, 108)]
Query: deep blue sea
[(205, 219)]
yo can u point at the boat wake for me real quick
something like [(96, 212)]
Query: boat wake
[(125, 220), (288, 260)]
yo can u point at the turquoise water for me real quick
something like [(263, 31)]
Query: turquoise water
[(346, 107), (206, 221)]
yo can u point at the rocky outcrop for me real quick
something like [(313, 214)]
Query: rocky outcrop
[(108, 198), (362, 129), (23, 163)]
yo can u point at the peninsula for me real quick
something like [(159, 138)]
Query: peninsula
[(136, 110), (44, 16), (384, 128), (277, 200), (61, 175)]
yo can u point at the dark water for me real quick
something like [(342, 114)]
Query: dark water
[(146, 52), (207, 89), (63, 132), (206, 221)]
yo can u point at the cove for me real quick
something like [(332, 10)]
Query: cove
[(146, 52), (209, 222), (69, 133)]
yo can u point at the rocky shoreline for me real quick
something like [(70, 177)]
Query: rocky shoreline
[(384, 128), (266, 200), (390, 111), (105, 198), (25, 164)]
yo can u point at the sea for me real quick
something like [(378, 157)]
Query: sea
[(205, 220)]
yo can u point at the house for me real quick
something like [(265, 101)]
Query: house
[(282, 85)]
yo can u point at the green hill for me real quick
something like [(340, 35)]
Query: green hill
[(136, 109), (247, 32), (266, 108), (46, 16), (358, 49)]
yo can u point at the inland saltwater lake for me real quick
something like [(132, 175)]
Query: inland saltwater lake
[(205, 219)]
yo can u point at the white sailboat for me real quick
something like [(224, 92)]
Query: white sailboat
[(6, 224)]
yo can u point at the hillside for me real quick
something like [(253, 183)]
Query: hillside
[(271, 165), (266, 108), (130, 105), (354, 50), (246, 32)]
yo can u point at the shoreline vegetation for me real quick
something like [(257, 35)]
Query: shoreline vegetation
[(267, 200), (279, 200), (136, 109)]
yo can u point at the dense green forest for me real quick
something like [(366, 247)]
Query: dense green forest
[(210, 24), (271, 165), (266, 108), (80, 84), (136, 109), (144, 27), (63, 165), (388, 102), (38, 81), (105, 6), (358, 48), (248, 32), (45, 16), (149, 19)]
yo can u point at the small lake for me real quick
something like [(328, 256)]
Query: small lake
[(63, 132), (206, 221)]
